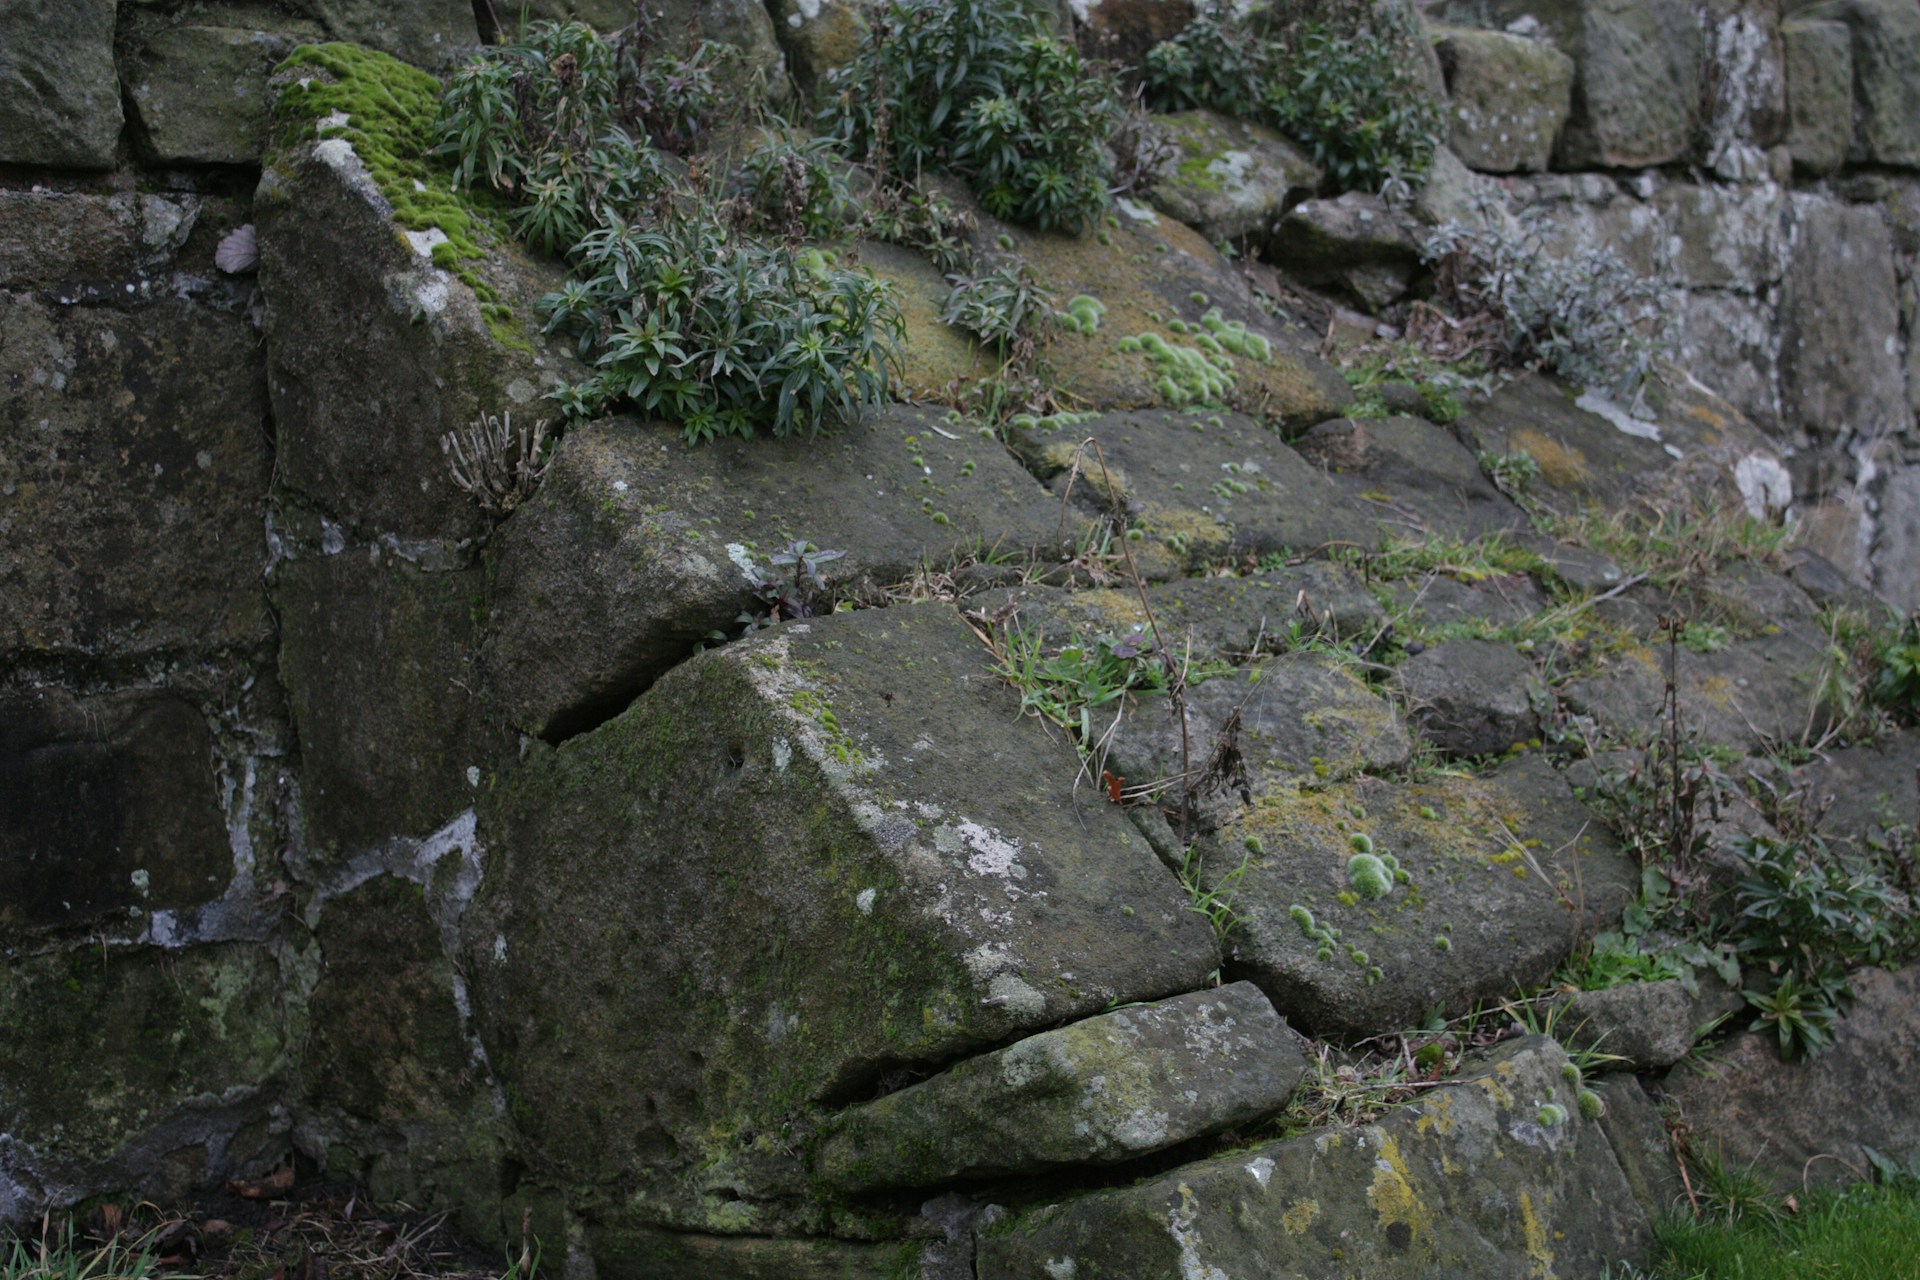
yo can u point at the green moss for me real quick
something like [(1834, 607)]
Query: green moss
[(391, 114)]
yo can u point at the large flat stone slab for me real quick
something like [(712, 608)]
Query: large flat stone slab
[(797, 863), (1102, 1091), (1201, 488), (59, 96), (1753, 695), (1509, 99), (630, 554), (1503, 874), (1472, 1180), (1415, 478)]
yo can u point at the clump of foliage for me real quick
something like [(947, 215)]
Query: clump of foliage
[(682, 317), (794, 189), (1588, 317), (1002, 306), (981, 88), (1338, 77)]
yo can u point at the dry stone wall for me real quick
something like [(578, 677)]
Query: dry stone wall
[(342, 822)]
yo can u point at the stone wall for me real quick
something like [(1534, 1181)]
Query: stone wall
[(338, 822)]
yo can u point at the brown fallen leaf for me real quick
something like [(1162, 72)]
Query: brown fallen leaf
[(215, 1228)]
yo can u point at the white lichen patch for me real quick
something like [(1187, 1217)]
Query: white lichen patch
[(992, 854), (1766, 488), (1262, 1171), (1016, 997), (1603, 407), (865, 899), (1180, 1220), (1232, 169), (423, 242)]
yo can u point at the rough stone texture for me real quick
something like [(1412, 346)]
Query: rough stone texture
[(1415, 477), (818, 35), (410, 357), (626, 558), (1724, 237), (1434, 600), (1746, 79), (1840, 358), (1640, 1143), (1754, 695), (107, 808), (1198, 491), (1455, 193), (1886, 77), (643, 1253), (378, 659), (884, 867), (1648, 1024), (1301, 716), (182, 1052), (1127, 29), (1467, 1182), (1872, 788), (427, 33), (1355, 243), (388, 1051), (1102, 1091), (1231, 180), (1591, 451), (132, 475), (1636, 94), (1820, 94), (1510, 97), (1805, 1122), (59, 95), (1895, 549), (1731, 343), (199, 94), (1505, 872), (1472, 697), (1147, 270)]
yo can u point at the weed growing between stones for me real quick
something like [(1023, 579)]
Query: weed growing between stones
[(499, 466), (683, 317), (1338, 77), (981, 88)]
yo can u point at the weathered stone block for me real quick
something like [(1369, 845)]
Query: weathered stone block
[(1886, 77), (133, 469), (59, 95), (1636, 91), (199, 94), (796, 863), (183, 1050), (427, 33), (1472, 697), (1109, 1089), (1415, 475), (1725, 237), (1731, 343), (378, 659), (1746, 108), (631, 553), (1356, 243), (1509, 98), (1503, 874), (1819, 94), (1231, 180), (1641, 1145), (1477, 1178), (1752, 695), (108, 810), (1198, 491), (1840, 359), (1806, 1122)]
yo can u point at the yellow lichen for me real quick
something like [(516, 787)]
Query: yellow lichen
[(1391, 1194), (1561, 464), (1300, 1216)]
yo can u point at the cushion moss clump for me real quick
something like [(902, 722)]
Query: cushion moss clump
[(389, 113)]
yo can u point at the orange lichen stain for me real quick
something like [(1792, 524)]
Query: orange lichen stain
[(1539, 1251), (1391, 1194), (1561, 465), (1718, 690), (1707, 414), (1300, 1216)]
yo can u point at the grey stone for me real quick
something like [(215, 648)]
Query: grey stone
[(59, 94), (1840, 364), (378, 659), (819, 35), (1646, 1024), (1299, 716), (628, 1252), (882, 867), (1232, 180), (1101, 1091), (1639, 1140), (1416, 477), (1725, 237), (1754, 695), (1806, 1122), (1469, 1181), (1636, 93), (1746, 108), (1579, 569), (1455, 193), (1871, 789), (630, 552), (1434, 600), (1127, 29), (199, 94), (1356, 243), (186, 1050), (1199, 492), (1819, 94), (1504, 873), (1227, 617), (1472, 697), (1509, 98), (427, 33), (1731, 343), (108, 811), (1894, 560), (130, 521), (1886, 78)]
